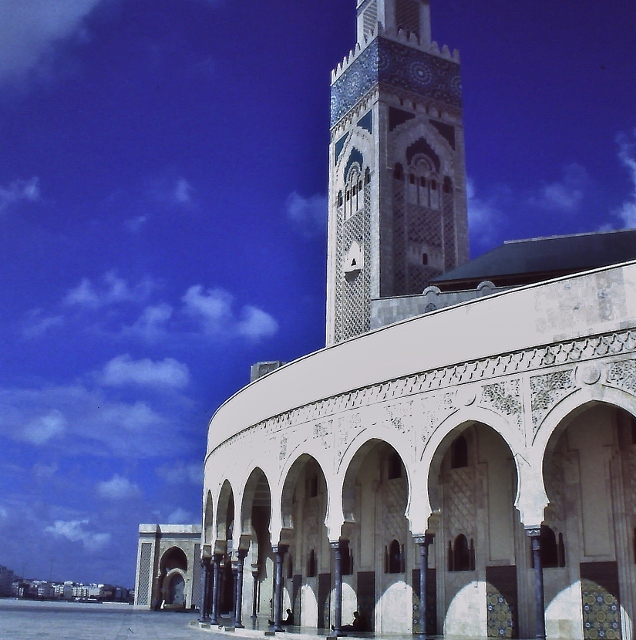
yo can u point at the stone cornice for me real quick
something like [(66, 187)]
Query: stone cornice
[(538, 358)]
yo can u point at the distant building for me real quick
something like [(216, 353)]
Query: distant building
[(6, 580), (168, 566)]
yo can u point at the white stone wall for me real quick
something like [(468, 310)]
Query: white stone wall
[(533, 377)]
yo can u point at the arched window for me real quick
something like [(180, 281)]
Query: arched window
[(448, 185), (425, 259), (459, 453), (340, 200), (398, 172), (394, 558), (311, 565), (395, 466), (367, 176), (461, 554)]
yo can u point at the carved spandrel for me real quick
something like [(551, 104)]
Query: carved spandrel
[(548, 390)]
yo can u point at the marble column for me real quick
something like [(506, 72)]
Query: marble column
[(534, 533), (238, 592), (216, 590), (337, 607), (280, 551), (204, 611), (254, 595), (423, 542)]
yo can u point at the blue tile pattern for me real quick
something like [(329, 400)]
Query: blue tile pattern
[(396, 65)]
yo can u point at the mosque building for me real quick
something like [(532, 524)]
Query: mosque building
[(461, 457)]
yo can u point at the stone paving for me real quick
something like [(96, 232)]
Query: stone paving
[(28, 620), (24, 620)]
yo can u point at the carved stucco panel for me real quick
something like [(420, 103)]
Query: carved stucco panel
[(434, 409), (323, 433), (546, 391), (622, 375), (504, 398), (347, 429)]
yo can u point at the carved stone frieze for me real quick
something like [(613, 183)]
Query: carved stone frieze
[(505, 398), (348, 428), (434, 410), (399, 415), (323, 432), (620, 374), (546, 391)]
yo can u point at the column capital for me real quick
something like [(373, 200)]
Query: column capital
[(533, 531), (426, 539), (280, 549), (205, 561), (242, 554)]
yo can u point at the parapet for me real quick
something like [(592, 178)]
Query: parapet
[(401, 36)]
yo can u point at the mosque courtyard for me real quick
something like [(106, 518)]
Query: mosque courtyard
[(27, 620)]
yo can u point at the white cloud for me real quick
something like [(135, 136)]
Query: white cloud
[(213, 310), (30, 29), (564, 195), (181, 516), (181, 473), (115, 290), (256, 324), (86, 421), (123, 370), (134, 225), (43, 428), (484, 215), (37, 324), (212, 307), (19, 190), (118, 488), (151, 325), (74, 530), (183, 192), (309, 215), (627, 155)]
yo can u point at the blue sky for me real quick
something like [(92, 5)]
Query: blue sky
[(163, 176)]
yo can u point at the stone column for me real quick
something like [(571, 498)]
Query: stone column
[(337, 607), (280, 551), (423, 542), (216, 590), (204, 611), (534, 533), (254, 595), (238, 592)]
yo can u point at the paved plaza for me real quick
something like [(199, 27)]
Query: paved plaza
[(25, 620), (28, 620)]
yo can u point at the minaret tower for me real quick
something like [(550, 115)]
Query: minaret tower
[(397, 182)]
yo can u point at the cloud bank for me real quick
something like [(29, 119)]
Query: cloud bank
[(31, 29), (308, 215), (123, 370), (18, 190), (627, 156)]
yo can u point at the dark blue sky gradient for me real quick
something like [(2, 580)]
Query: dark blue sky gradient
[(150, 146)]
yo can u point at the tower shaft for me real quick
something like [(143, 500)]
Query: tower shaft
[(397, 186)]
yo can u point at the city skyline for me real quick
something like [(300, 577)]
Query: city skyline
[(163, 180)]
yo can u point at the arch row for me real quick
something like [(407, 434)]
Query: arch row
[(375, 477)]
